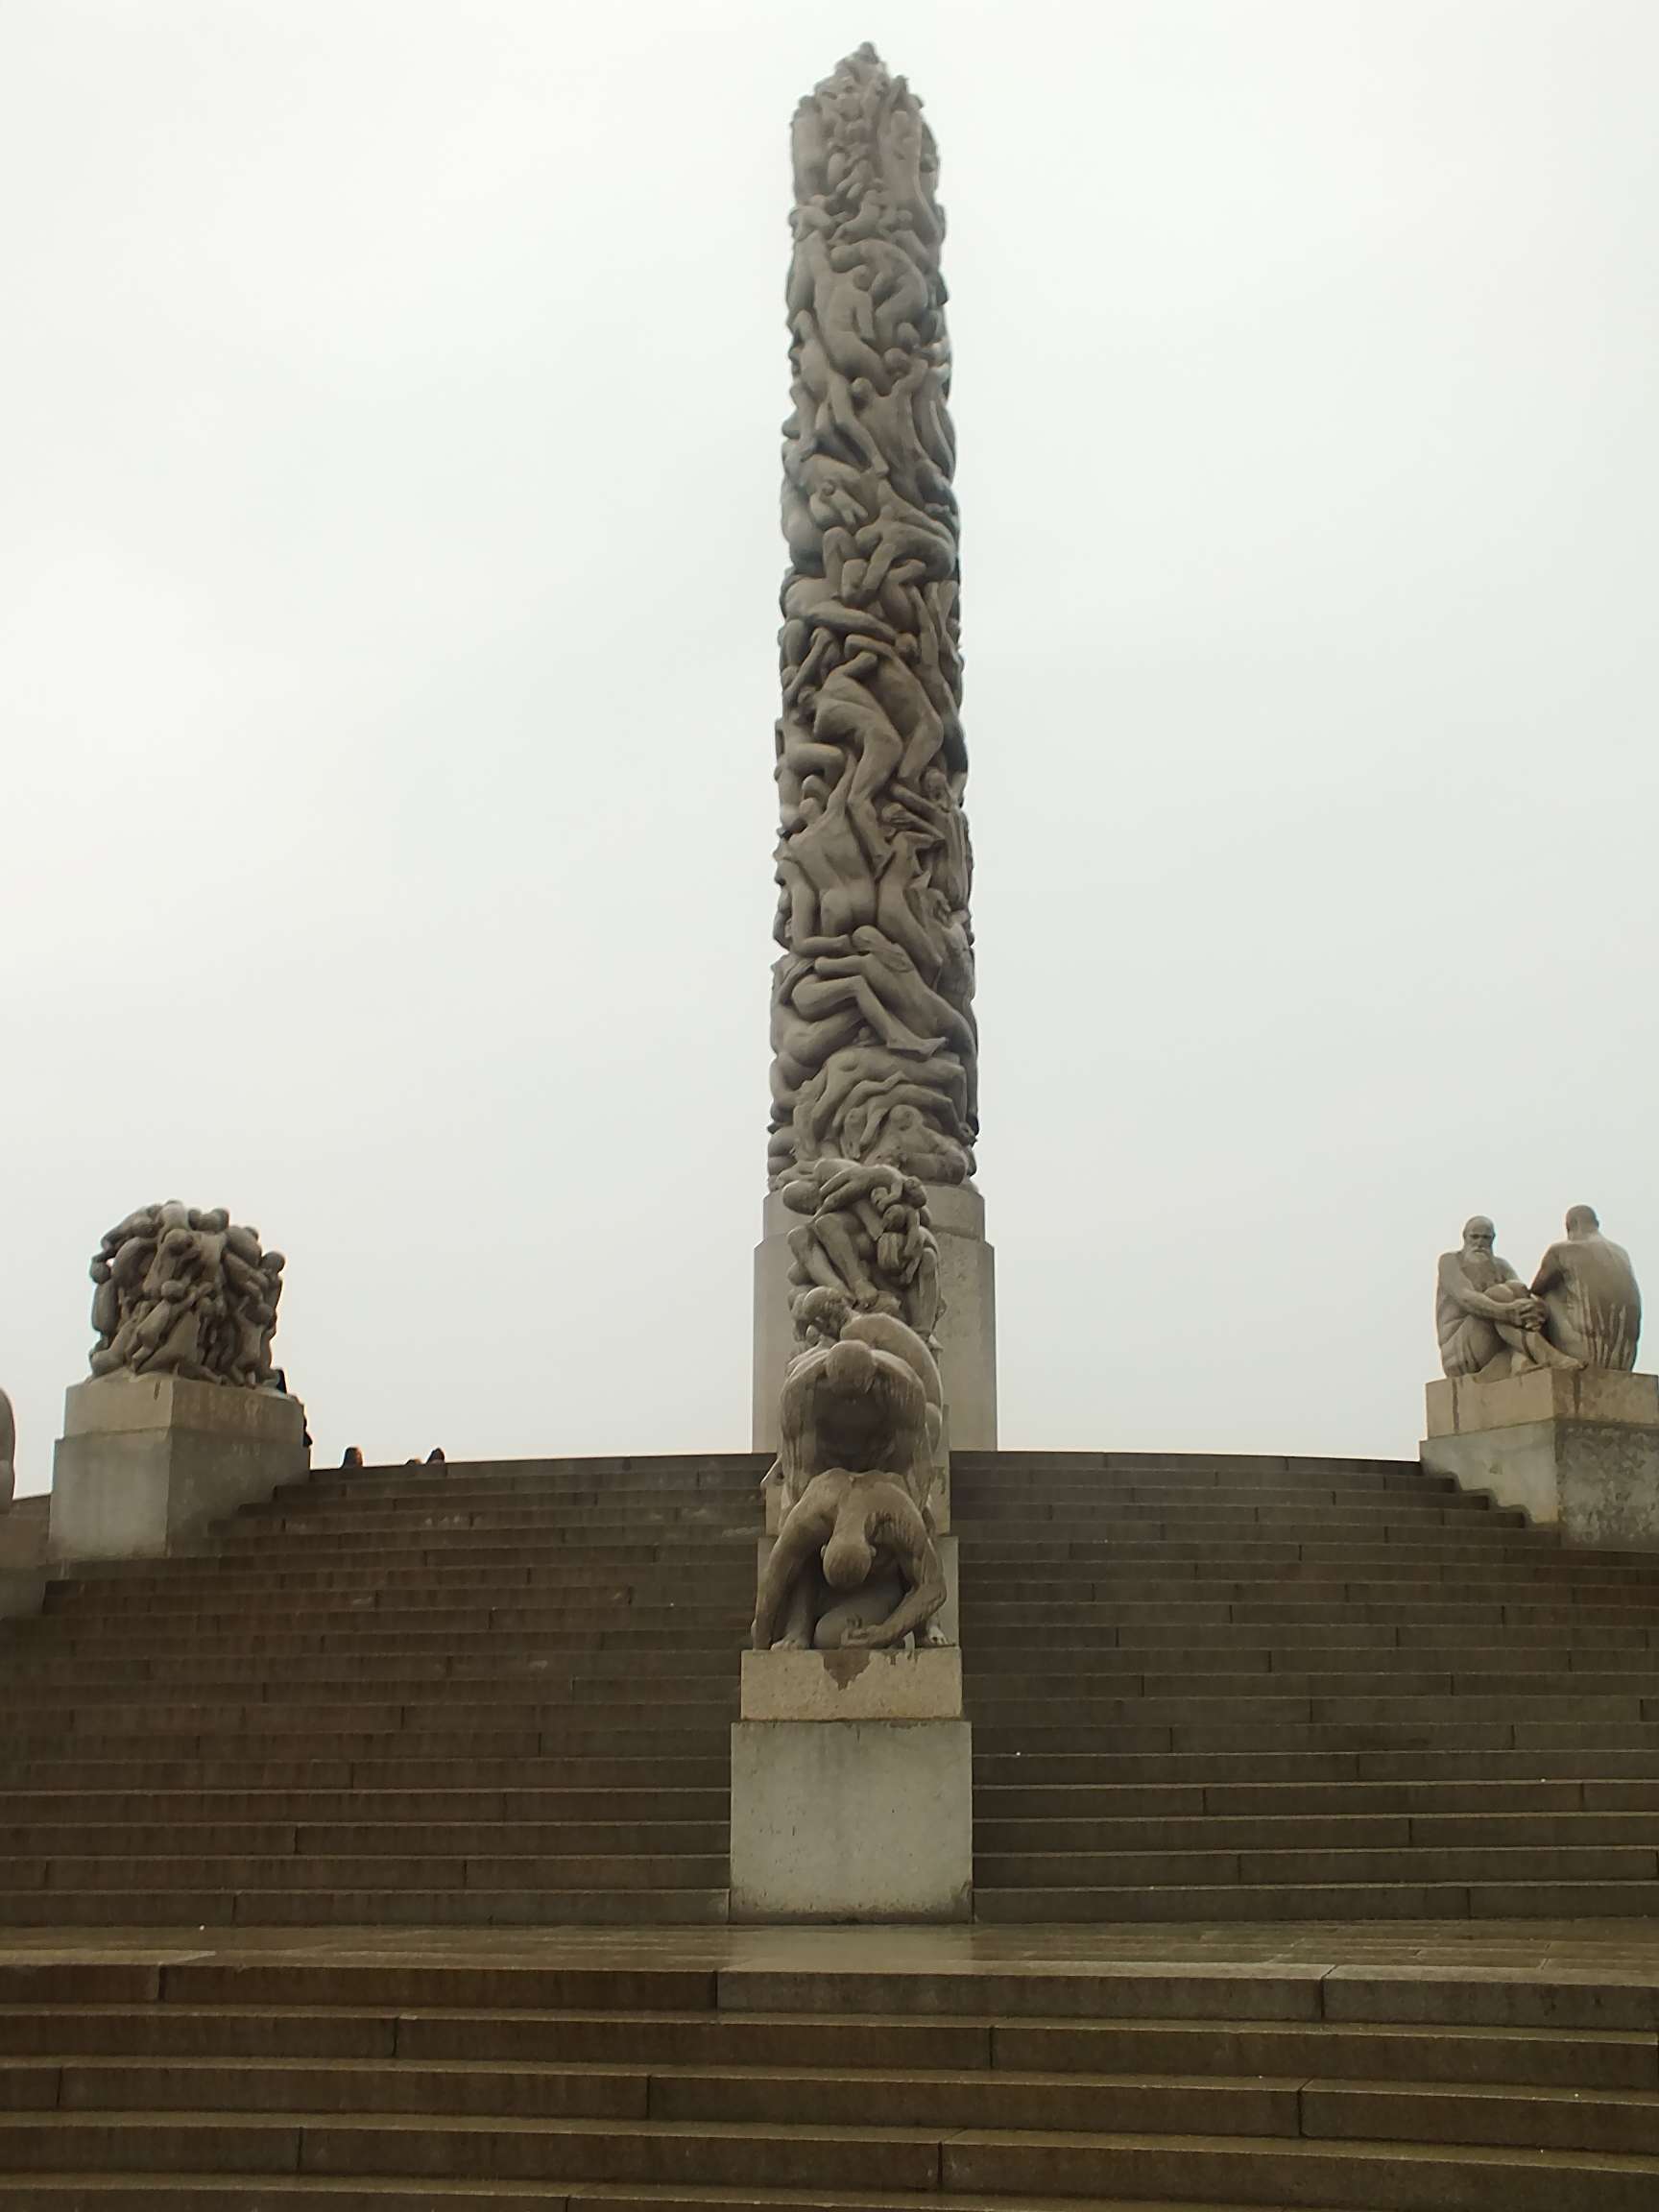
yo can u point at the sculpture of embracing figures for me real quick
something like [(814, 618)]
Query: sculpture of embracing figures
[(183, 1291), (1583, 1307)]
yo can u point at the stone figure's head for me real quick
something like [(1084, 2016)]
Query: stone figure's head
[(821, 1315), (1582, 1221), (852, 1369), (1478, 1235), (848, 1556)]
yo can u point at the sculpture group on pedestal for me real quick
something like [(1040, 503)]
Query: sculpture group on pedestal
[(1583, 1307), (183, 1291), (861, 1419), (871, 1002)]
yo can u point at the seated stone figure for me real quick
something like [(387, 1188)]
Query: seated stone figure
[(857, 1435), (1488, 1322), (1592, 1307)]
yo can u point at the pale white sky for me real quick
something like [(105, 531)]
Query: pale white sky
[(387, 607)]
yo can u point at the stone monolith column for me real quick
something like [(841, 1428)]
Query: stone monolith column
[(873, 1030)]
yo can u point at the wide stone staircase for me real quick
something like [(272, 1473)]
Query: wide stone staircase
[(412, 1696), (1201, 1689), (260, 1807), (1299, 1690), (290, 2083)]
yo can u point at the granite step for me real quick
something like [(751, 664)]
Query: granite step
[(413, 2081)]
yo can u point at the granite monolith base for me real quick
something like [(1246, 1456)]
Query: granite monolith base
[(843, 1820), (1579, 1451), (145, 1466), (967, 1329)]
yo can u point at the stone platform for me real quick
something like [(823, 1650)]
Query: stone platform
[(1418, 2069), (147, 1464), (377, 1853), (1578, 1452), (1201, 1689)]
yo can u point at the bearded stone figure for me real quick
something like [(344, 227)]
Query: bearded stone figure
[(1582, 1310)]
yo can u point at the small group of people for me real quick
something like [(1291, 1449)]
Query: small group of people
[(353, 1456)]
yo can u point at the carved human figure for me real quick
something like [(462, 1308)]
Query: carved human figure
[(854, 1568), (869, 1239), (822, 866), (1487, 1320), (1592, 1305), (856, 1405), (849, 1076), (181, 1290), (837, 292)]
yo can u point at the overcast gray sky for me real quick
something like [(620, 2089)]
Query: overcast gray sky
[(391, 399)]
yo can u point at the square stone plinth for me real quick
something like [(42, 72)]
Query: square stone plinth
[(829, 1686), (146, 1465), (1465, 1403), (1579, 1451), (863, 1820)]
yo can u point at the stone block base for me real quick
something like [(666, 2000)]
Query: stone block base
[(145, 1466), (1575, 1452), (851, 1820), (967, 1329), (925, 1685)]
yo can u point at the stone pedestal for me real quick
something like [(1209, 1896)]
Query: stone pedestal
[(145, 1465), (851, 1787), (1579, 1451), (967, 1334)]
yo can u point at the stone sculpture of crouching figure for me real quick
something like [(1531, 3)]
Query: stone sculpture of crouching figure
[(854, 1569), (855, 1562)]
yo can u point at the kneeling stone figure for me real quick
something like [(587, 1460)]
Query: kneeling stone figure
[(854, 1564)]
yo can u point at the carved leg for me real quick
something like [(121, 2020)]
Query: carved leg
[(800, 1614), (1531, 1348), (873, 1601)]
